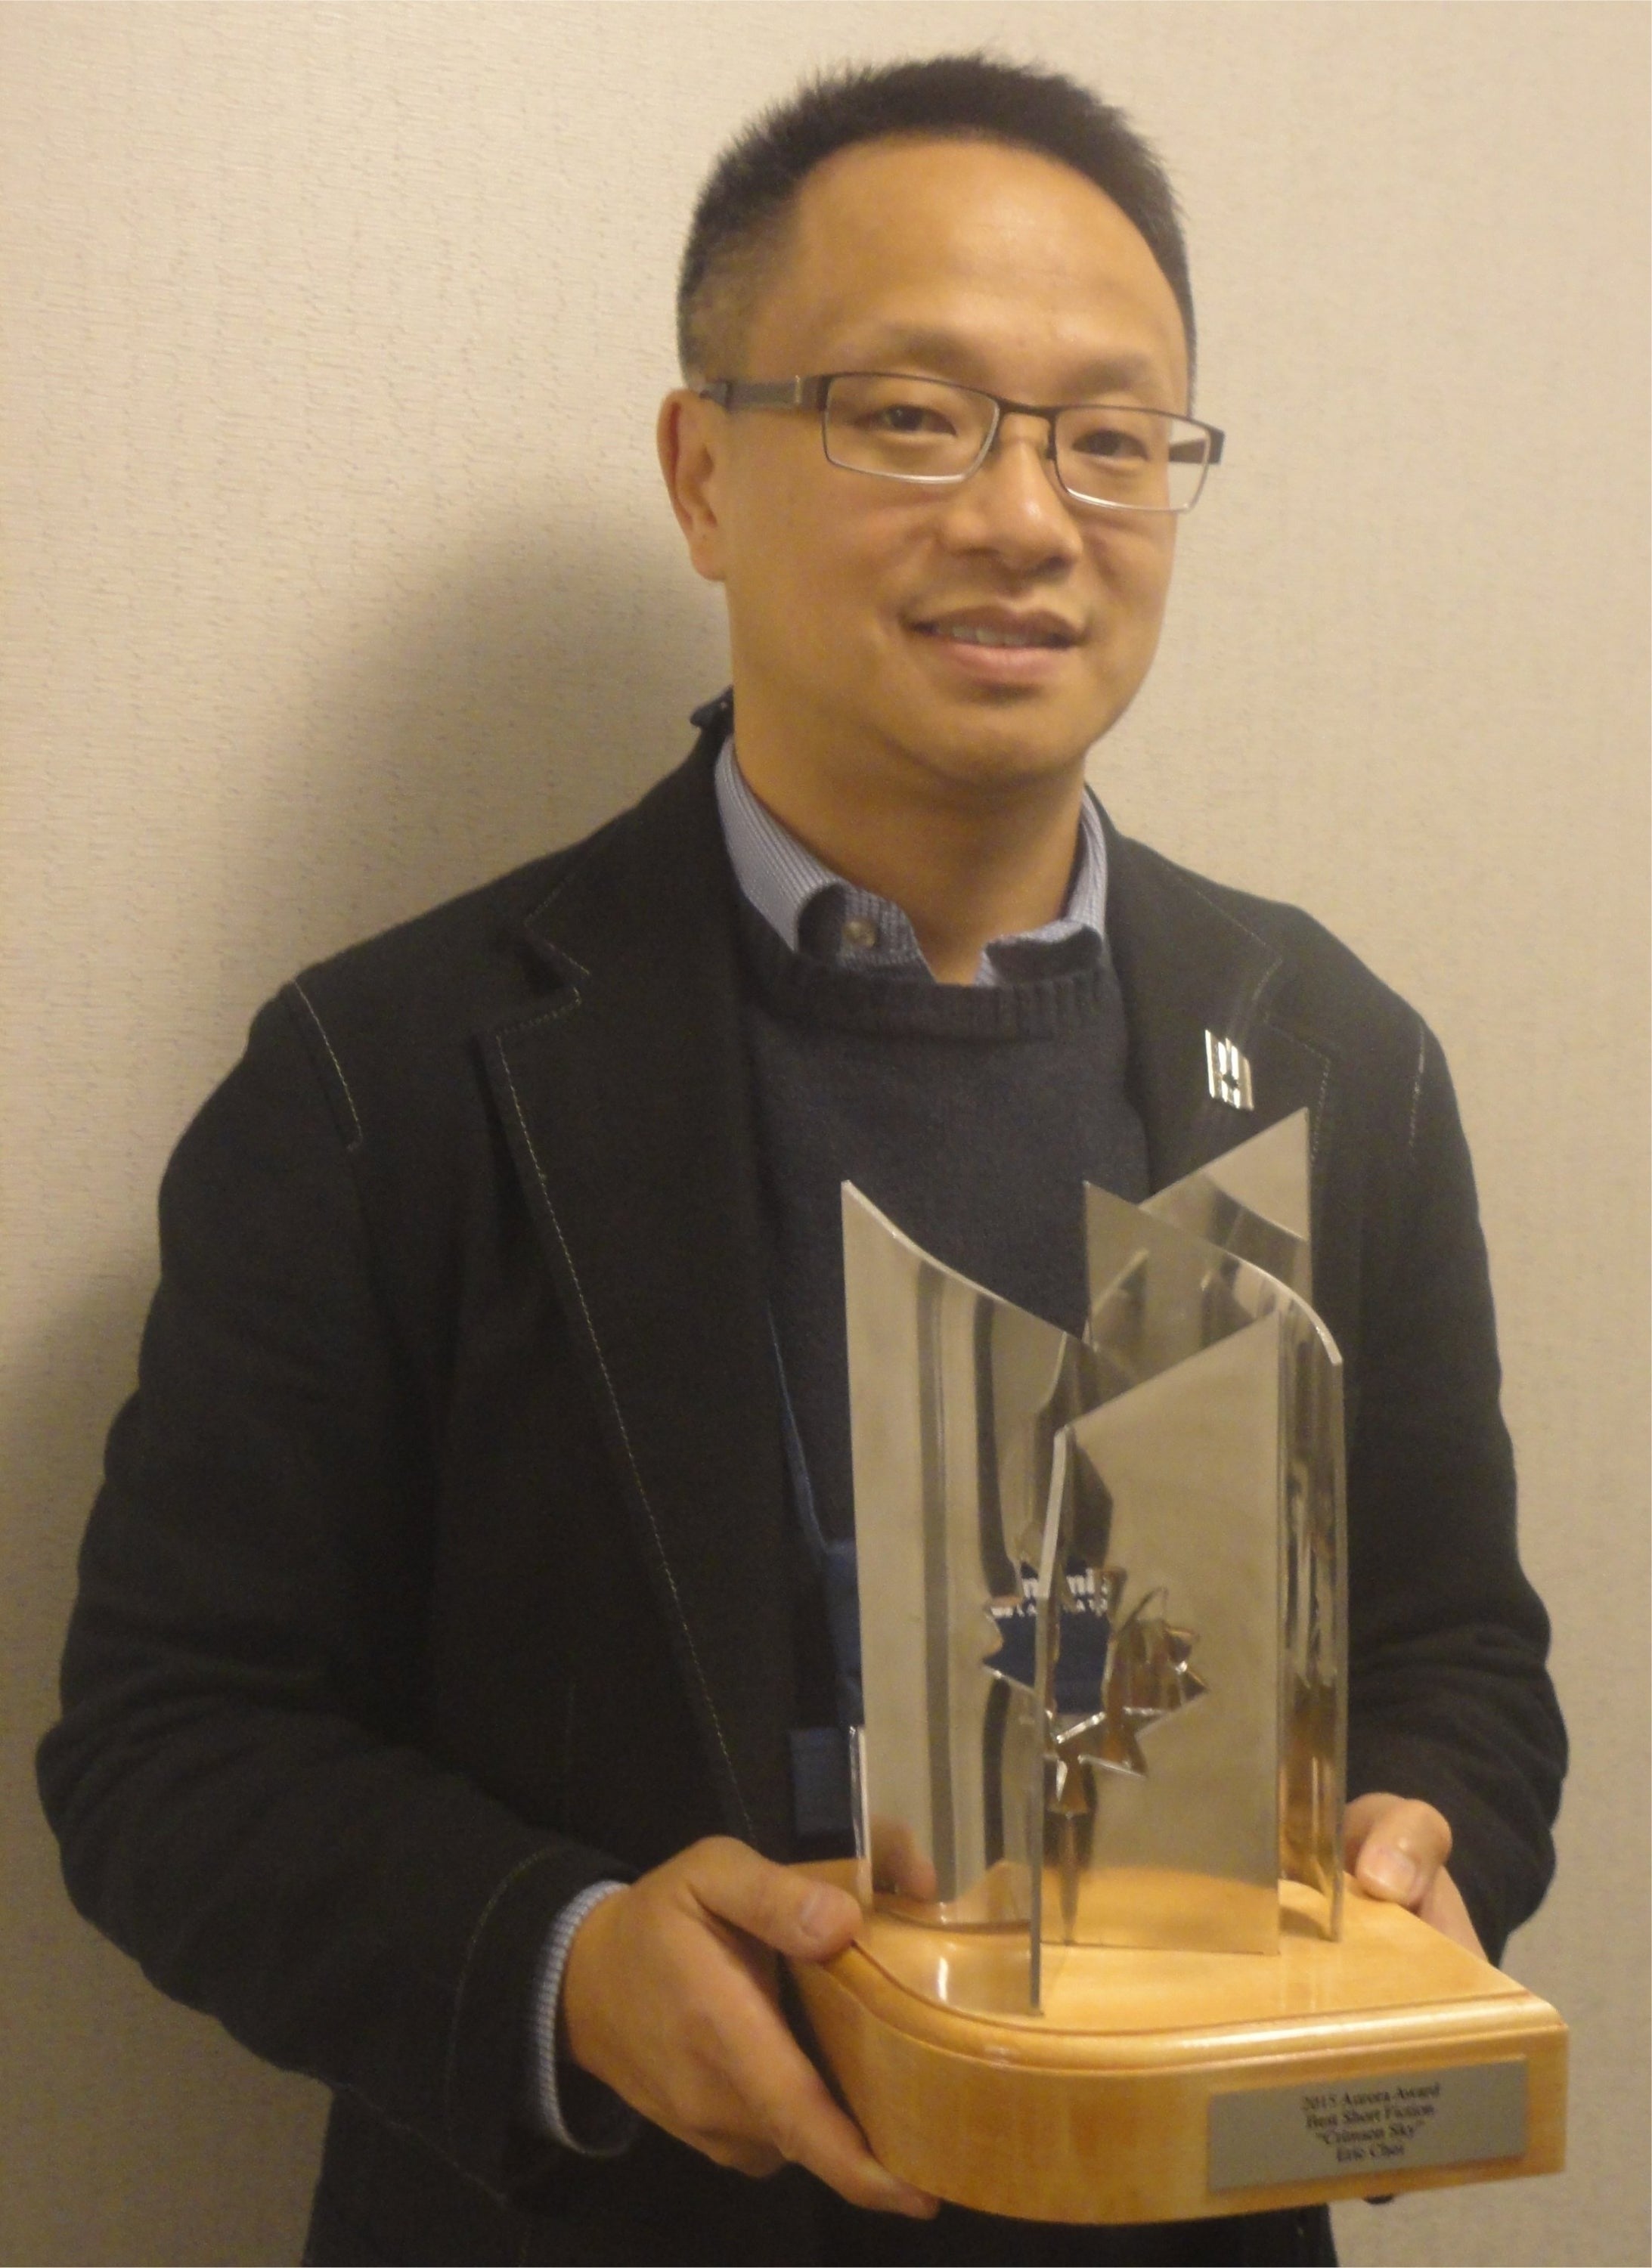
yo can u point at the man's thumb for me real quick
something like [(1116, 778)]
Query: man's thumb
[(792, 1912)]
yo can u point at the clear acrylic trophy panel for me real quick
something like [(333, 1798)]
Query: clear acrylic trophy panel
[(1102, 1578)]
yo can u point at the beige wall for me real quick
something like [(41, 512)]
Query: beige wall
[(339, 580)]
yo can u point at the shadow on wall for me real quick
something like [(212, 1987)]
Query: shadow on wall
[(482, 714), (511, 705)]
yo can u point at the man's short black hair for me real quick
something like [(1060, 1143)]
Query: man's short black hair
[(744, 204)]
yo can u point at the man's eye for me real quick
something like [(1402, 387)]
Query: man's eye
[(909, 417), (1115, 443)]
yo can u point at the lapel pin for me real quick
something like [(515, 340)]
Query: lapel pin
[(1228, 1068)]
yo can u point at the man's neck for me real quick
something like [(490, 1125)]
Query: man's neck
[(965, 865)]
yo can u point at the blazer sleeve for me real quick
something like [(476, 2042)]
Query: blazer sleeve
[(1450, 1699), (240, 1780)]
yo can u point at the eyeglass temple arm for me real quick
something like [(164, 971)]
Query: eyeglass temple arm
[(765, 394)]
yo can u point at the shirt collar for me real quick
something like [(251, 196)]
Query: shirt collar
[(784, 881)]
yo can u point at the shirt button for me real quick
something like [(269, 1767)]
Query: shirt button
[(859, 933)]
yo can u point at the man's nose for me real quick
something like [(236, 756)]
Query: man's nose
[(1013, 502)]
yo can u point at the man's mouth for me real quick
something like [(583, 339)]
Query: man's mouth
[(998, 630)]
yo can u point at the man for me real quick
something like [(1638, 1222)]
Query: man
[(451, 1604)]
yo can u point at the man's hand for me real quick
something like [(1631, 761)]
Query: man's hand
[(669, 1998), (1397, 1849)]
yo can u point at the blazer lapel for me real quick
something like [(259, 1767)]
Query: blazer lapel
[(625, 1099), (1189, 963)]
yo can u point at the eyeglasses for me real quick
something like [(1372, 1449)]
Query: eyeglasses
[(1106, 453)]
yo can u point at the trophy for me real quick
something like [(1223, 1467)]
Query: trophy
[(1108, 1969)]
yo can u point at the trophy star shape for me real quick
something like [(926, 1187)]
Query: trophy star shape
[(1113, 1679)]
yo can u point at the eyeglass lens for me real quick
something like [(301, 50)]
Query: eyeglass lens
[(920, 429)]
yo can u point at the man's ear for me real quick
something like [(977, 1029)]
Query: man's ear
[(691, 437)]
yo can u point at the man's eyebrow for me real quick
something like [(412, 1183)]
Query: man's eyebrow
[(946, 354)]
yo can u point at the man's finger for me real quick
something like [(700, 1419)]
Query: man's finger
[(806, 1919), (898, 1864), (789, 2101), (1396, 1846), (738, 2152)]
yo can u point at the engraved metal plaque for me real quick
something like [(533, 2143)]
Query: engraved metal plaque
[(1465, 2115)]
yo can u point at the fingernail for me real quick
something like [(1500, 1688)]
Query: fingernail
[(1392, 1873), (820, 1913)]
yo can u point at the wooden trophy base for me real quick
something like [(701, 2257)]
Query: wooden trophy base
[(1174, 2085)]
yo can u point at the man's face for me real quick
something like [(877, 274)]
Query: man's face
[(853, 599)]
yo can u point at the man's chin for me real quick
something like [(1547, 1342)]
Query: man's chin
[(999, 747)]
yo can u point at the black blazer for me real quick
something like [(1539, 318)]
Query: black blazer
[(434, 1577)]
